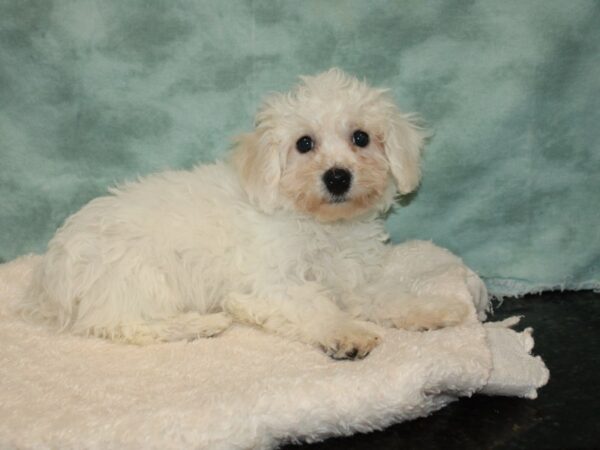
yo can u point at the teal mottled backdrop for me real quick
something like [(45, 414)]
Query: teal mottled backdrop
[(97, 92)]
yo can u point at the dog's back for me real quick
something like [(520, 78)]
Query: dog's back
[(127, 258)]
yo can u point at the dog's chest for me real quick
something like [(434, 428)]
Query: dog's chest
[(333, 255)]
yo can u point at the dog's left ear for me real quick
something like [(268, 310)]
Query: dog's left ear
[(403, 142)]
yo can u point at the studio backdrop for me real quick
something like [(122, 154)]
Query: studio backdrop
[(93, 93)]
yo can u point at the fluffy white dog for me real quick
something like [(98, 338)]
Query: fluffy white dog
[(287, 236)]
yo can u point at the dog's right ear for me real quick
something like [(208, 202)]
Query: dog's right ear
[(259, 166)]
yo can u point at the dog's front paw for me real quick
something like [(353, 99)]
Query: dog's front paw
[(350, 340)]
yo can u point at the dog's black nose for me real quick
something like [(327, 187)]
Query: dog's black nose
[(337, 181)]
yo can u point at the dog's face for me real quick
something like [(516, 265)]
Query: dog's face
[(332, 148)]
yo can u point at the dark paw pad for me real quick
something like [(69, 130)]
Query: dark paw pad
[(351, 354)]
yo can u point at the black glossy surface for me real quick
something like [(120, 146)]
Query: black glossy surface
[(565, 414)]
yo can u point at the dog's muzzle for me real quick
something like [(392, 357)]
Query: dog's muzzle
[(337, 181)]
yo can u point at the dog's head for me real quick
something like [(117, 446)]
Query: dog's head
[(333, 148)]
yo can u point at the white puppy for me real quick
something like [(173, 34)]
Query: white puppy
[(286, 236)]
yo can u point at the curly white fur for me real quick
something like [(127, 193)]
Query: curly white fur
[(259, 239)]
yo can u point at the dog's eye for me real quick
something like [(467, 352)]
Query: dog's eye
[(305, 144), (360, 138)]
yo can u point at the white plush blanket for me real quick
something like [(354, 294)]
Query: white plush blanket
[(243, 389)]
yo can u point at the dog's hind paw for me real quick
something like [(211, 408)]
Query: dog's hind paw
[(183, 327), (432, 316), (192, 326)]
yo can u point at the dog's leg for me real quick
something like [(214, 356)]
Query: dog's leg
[(308, 316), (422, 287), (186, 326), (411, 312)]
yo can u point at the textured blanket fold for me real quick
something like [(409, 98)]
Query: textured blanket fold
[(244, 389)]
